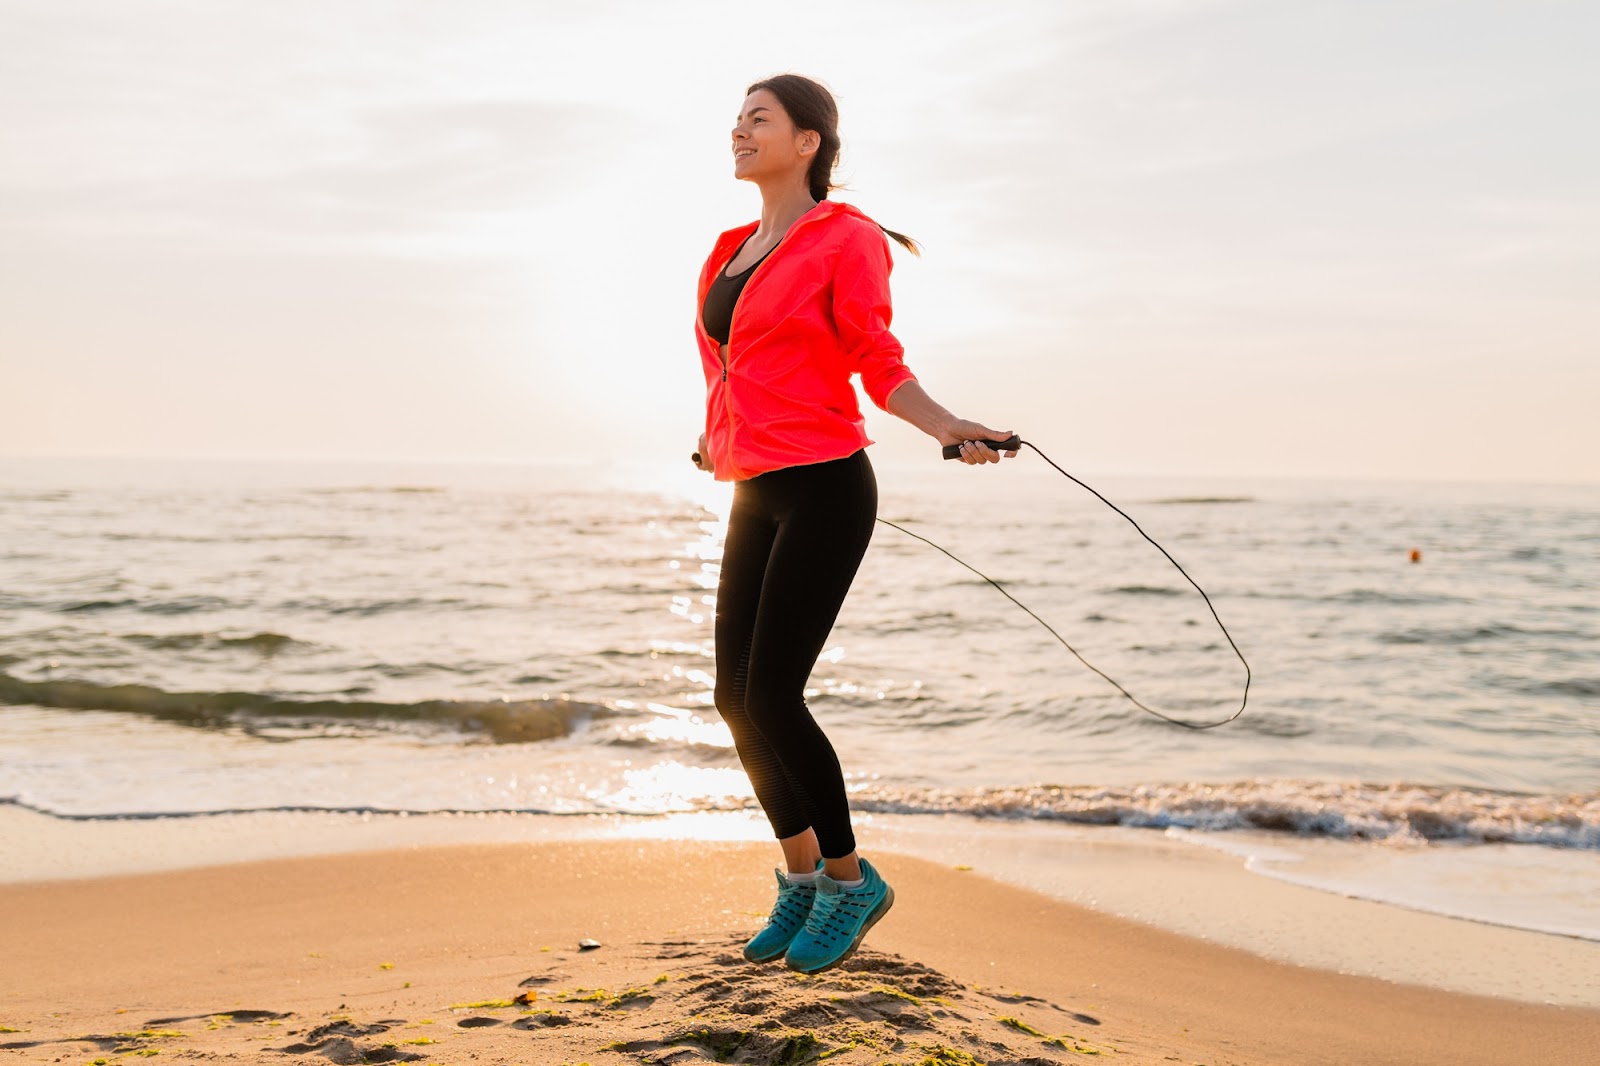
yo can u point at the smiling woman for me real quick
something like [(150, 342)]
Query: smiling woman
[(790, 307)]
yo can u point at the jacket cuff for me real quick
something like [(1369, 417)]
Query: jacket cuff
[(880, 382)]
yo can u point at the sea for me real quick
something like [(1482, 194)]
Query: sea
[(1410, 669)]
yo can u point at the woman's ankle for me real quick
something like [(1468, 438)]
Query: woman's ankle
[(847, 868)]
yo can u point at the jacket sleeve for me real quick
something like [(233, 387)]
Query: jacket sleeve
[(861, 313)]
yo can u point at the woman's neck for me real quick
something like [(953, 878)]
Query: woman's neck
[(780, 209)]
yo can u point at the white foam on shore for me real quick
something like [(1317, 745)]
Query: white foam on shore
[(1545, 890), (1159, 879), (1147, 877)]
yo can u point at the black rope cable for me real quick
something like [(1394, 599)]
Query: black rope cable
[(1074, 651)]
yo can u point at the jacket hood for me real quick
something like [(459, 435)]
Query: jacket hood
[(825, 209)]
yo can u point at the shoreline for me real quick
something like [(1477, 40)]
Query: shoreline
[(1167, 883), (424, 948)]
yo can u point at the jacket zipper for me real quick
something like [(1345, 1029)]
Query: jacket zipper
[(734, 314)]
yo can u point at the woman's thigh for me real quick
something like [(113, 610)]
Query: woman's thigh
[(825, 519), (746, 549)]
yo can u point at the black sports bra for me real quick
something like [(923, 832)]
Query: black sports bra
[(717, 313)]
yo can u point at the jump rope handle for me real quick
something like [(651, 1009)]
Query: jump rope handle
[(1010, 444)]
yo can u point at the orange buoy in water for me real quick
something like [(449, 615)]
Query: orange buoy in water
[(1416, 555)]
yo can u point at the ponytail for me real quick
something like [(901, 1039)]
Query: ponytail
[(911, 246)]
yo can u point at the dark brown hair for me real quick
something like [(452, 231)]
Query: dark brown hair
[(811, 107)]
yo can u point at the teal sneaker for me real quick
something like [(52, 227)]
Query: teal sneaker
[(839, 918), (788, 918)]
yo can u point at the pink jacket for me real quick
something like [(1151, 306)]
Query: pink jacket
[(814, 312)]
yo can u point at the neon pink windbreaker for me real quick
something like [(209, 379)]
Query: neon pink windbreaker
[(815, 311)]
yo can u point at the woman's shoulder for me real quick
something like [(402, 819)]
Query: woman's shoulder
[(847, 225), (848, 216)]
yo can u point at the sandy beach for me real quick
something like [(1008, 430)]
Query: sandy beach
[(470, 952)]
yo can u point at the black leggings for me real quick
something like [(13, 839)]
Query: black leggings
[(795, 540)]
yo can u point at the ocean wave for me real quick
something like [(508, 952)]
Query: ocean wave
[(1576, 686), (1379, 596), (662, 749), (919, 622), (364, 608), (1395, 813), (504, 721), (1404, 815), (265, 643), (181, 605), (50, 496), (1468, 634), (221, 538)]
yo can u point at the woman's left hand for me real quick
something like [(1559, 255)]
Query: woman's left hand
[(967, 434)]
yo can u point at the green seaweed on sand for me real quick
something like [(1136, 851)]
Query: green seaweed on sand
[(949, 1056), (1072, 1043), (489, 1003), (601, 995), (1065, 1040), (8, 1029), (791, 1049), (867, 1038)]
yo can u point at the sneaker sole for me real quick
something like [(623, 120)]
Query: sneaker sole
[(872, 919)]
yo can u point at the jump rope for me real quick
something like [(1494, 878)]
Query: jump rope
[(1013, 443)]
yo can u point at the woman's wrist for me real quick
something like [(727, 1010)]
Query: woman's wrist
[(943, 430), (912, 403)]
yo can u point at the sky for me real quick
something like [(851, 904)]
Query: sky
[(1193, 238)]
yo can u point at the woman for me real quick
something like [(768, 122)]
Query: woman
[(790, 306)]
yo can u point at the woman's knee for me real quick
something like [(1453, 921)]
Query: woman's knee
[(777, 711)]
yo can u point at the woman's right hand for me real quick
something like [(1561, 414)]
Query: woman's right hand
[(702, 460), (967, 434)]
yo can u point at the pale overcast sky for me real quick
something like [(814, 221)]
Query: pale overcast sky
[(1189, 237)]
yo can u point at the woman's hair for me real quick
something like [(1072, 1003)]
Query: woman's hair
[(811, 107)]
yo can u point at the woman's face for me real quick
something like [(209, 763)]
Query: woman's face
[(766, 144)]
